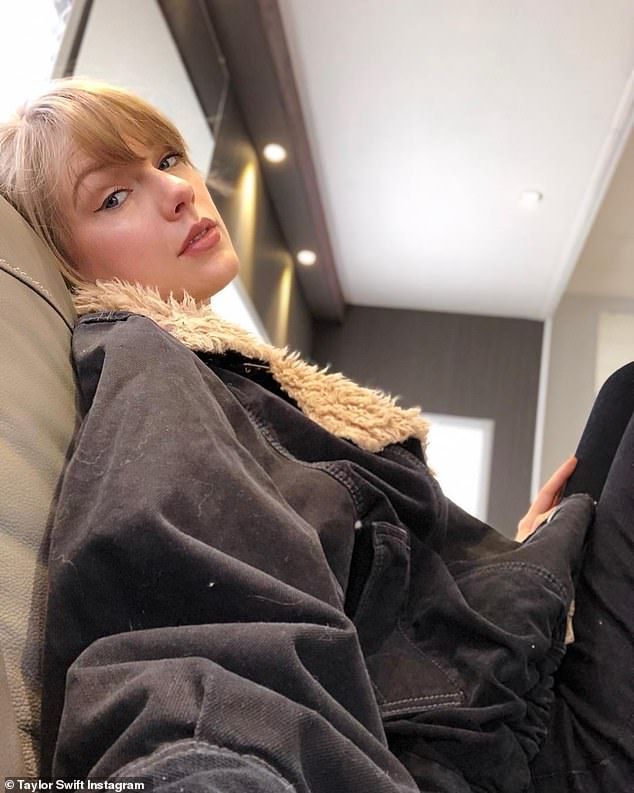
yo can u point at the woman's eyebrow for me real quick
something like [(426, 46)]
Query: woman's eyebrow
[(87, 171)]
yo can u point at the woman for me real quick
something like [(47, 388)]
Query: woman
[(254, 578)]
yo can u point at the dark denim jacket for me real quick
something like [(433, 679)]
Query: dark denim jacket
[(227, 576)]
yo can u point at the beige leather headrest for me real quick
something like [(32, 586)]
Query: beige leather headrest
[(24, 256), (37, 421)]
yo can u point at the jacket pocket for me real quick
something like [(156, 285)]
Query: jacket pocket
[(409, 682), (405, 678), (378, 581)]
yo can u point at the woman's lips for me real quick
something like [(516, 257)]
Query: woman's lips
[(203, 240)]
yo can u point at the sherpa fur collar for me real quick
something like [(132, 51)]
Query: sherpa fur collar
[(364, 416)]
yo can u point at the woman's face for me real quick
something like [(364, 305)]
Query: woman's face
[(151, 222)]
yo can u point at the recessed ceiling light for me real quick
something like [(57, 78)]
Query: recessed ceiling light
[(307, 258), (530, 198), (273, 152)]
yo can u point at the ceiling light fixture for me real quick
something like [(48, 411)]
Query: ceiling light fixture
[(273, 152), (307, 258), (531, 198)]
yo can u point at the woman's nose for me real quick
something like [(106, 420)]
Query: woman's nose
[(179, 195)]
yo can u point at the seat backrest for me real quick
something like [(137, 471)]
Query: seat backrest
[(38, 417)]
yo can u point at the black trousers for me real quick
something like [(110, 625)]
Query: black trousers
[(590, 744)]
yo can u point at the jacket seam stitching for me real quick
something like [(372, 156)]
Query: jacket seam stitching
[(460, 693), (405, 454), (200, 747), (327, 467), (562, 590)]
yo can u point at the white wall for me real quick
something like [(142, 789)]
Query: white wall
[(32, 31), (615, 343), (580, 346), (129, 44)]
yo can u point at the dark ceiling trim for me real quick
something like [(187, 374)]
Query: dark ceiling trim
[(196, 40), (71, 40), (252, 39), (274, 29)]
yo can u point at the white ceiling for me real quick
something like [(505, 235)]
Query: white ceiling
[(428, 119)]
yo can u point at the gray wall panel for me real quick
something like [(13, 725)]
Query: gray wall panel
[(484, 367)]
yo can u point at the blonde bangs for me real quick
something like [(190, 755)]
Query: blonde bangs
[(110, 125), (107, 124)]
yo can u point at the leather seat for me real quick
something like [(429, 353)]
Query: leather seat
[(38, 417)]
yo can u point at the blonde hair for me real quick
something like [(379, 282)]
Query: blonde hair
[(37, 144)]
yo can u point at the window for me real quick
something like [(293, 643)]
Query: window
[(32, 31), (459, 452)]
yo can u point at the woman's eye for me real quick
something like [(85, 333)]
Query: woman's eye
[(115, 199), (169, 161)]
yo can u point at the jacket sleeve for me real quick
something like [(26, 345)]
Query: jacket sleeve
[(193, 625)]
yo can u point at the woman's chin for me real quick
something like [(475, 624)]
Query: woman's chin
[(205, 290)]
